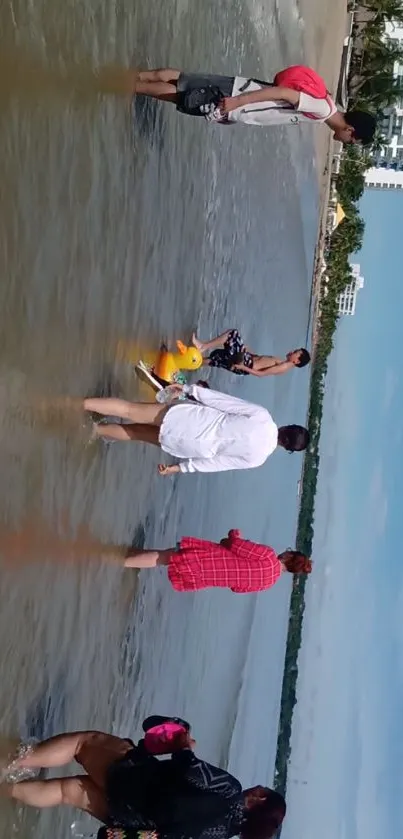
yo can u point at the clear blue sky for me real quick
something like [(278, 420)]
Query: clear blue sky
[(346, 768)]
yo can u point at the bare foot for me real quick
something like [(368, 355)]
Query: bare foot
[(16, 768), (196, 343)]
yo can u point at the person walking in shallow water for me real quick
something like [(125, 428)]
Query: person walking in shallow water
[(235, 563), (213, 433), (127, 788), (239, 100), (229, 352)]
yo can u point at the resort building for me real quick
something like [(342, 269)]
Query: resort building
[(391, 157), (348, 298), (379, 177)]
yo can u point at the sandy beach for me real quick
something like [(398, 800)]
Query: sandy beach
[(324, 39)]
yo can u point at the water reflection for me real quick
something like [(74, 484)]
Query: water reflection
[(30, 78), (34, 538)]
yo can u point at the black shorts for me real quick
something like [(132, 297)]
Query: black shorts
[(228, 356), (203, 85)]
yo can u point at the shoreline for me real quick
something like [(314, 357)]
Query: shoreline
[(324, 37), (324, 201), (327, 58), (324, 196)]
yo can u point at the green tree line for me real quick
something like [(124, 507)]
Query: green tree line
[(346, 239), (372, 86)]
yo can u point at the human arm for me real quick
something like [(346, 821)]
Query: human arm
[(218, 463), (268, 93), (223, 402), (232, 534), (302, 102), (273, 369), (169, 470), (223, 463), (243, 368)]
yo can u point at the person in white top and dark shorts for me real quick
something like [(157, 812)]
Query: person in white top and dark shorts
[(231, 100), (210, 432)]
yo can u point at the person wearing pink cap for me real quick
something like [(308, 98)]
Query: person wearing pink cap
[(135, 795)]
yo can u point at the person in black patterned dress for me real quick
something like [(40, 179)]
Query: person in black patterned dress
[(135, 795)]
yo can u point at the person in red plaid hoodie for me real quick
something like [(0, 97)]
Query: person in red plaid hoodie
[(234, 563)]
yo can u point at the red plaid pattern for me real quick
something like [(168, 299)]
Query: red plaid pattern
[(235, 563)]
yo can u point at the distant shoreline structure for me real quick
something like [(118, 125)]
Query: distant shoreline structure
[(330, 217)]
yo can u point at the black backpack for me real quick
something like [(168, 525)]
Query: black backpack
[(192, 101)]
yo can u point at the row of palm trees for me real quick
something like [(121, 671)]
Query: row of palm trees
[(373, 87), (372, 83)]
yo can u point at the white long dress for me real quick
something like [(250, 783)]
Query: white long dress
[(218, 432)]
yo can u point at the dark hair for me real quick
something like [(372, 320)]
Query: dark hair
[(304, 357), (364, 125), (296, 562), (202, 383), (264, 820), (294, 438)]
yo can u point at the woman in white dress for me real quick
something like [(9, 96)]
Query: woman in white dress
[(213, 433)]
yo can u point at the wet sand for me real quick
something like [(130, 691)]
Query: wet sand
[(324, 37)]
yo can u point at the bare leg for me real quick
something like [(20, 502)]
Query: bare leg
[(95, 751), (157, 90), (119, 80), (79, 791), (159, 84), (127, 433), (56, 751), (149, 559), (168, 75), (205, 346), (147, 413)]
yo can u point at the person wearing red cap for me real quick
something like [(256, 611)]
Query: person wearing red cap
[(297, 95)]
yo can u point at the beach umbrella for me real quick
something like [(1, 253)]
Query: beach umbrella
[(340, 215)]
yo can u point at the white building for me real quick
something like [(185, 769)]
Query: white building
[(348, 297), (380, 178), (392, 124)]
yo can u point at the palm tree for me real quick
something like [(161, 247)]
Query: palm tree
[(377, 91), (379, 144), (383, 10)]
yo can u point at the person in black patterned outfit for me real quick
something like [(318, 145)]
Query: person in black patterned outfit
[(136, 796), (229, 352)]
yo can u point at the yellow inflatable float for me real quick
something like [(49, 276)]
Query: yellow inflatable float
[(165, 367), (168, 364)]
